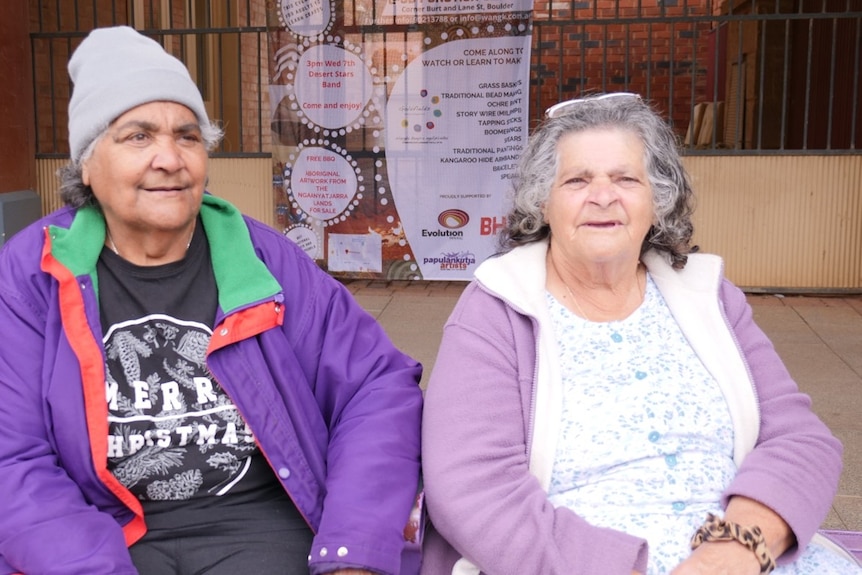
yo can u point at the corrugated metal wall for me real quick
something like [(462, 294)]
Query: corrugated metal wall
[(246, 182), (46, 183), (782, 223)]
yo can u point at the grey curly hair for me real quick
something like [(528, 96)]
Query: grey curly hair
[(673, 200), (74, 192)]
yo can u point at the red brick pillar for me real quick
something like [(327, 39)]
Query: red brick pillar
[(17, 138)]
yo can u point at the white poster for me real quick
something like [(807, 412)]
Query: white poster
[(456, 122), (393, 152)]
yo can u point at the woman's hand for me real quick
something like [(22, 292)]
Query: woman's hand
[(731, 557), (719, 558)]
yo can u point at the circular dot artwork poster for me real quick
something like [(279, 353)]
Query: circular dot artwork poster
[(393, 151)]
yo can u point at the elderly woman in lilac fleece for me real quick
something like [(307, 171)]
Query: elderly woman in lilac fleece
[(602, 402)]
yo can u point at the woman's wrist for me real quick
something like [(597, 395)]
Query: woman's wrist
[(716, 529), (745, 511)]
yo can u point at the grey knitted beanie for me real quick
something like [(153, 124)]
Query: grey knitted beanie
[(116, 69)]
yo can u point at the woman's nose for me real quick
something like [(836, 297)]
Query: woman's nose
[(168, 156), (602, 192)]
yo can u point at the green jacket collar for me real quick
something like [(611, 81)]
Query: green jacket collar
[(241, 276)]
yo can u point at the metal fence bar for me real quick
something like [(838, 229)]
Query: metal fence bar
[(832, 60), (583, 75), (561, 43), (608, 81), (670, 71), (648, 95), (762, 85), (53, 101), (669, 65), (34, 92), (808, 65), (218, 87), (715, 78), (784, 85), (855, 100), (627, 56), (741, 87)]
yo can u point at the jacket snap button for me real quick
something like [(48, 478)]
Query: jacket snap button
[(284, 472), (323, 551), (342, 551)]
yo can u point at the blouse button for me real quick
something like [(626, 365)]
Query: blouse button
[(670, 460), (678, 506), (654, 436), (342, 551)]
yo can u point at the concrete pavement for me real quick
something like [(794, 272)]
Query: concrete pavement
[(819, 338)]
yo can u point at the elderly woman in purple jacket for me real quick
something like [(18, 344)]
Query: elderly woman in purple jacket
[(182, 389), (602, 401)]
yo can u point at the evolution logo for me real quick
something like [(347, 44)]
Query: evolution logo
[(452, 220)]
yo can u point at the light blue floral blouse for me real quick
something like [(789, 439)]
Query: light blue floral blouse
[(646, 444)]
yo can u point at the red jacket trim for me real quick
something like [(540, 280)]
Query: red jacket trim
[(246, 323), (89, 353)]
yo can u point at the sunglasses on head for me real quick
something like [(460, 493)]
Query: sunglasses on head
[(561, 108)]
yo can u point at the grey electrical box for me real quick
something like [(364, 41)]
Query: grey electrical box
[(17, 210)]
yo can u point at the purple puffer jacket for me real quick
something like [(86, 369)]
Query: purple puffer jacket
[(335, 407)]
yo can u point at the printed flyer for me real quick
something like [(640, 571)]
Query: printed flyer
[(397, 126)]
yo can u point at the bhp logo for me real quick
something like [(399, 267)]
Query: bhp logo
[(490, 226)]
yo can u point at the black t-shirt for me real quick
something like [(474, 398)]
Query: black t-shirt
[(176, 440)]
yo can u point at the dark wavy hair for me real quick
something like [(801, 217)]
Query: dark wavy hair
[(75, 193), (673, 200)]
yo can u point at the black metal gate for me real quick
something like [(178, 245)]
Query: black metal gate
[(733, 77)]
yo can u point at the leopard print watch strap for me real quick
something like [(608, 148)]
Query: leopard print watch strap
[(717, 529)]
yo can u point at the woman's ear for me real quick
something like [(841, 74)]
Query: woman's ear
[(85, 173)]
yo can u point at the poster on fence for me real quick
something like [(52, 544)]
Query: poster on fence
[(397, 125)]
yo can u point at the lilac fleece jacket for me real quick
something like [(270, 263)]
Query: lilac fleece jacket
[(491, 410)]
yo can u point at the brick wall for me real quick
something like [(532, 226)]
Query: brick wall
[(621, 45)]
